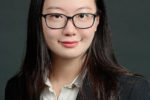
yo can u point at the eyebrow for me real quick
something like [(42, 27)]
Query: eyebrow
[(84, 8), (64, 10), (54, 8)]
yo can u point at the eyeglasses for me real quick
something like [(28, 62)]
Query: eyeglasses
[(59, 21)]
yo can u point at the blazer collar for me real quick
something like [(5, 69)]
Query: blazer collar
[(86, 90)]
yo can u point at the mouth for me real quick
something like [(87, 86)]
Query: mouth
[(69, 44)]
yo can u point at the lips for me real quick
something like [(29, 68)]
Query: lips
[(69, 44)]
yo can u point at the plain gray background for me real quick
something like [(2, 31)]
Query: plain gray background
[(129, 21)]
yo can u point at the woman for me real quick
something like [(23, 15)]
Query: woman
[(69, 56)]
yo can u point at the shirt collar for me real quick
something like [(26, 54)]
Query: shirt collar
[(77, 82)]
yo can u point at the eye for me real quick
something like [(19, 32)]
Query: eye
[(56, 16), (83, 15)]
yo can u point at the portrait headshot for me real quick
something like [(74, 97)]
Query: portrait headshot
[(75, 50)]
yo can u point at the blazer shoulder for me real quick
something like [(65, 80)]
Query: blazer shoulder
[(133, 88), (14, 88)]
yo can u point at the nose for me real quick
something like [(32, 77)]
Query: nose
[(69, 29)]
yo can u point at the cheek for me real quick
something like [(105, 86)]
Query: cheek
[(48, 33), (51, 39), (88, 35), (50, 36)]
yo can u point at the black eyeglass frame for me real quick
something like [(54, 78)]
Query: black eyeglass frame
[(69, 17)]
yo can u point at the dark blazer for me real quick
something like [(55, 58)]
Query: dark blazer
[(129, 88)]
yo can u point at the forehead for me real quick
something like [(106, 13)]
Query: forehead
[(69, 5)]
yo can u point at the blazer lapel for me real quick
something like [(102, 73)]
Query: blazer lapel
[(86, 90), (88, 93)]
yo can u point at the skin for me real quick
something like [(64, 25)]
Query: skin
[(67, 61)]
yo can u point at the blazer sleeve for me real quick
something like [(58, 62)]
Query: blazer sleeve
[(11, 90), (15, 89), (140, 90), (133, 88)]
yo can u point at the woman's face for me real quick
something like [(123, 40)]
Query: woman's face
[(69, 42)]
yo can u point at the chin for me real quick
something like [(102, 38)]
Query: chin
[(69, 55)]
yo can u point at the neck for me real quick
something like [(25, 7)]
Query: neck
[(65, 70)]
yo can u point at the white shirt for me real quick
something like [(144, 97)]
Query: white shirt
[(68, 92)]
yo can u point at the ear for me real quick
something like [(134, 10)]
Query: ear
[(97, 19)]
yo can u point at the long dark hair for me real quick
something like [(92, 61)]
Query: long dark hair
[(101, 64)]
